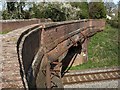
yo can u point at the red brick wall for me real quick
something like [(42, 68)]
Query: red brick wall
[(11, 67), (27, 41), (9, 25)]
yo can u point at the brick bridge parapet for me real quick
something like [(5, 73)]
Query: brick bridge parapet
[(20, 47), (11, 77), (10, 25)]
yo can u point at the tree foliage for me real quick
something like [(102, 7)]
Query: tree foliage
[(49, 10), (56, 11), (11, 6), (14, 10), (83, 6), (97, 10)]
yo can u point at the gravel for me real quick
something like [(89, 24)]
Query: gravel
[(72, 72), (100, 84)]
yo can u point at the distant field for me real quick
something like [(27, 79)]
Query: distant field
[(102, 50)]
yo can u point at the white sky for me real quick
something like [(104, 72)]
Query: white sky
[(2, 1)]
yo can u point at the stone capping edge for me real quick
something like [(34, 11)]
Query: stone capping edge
[(54, 24)]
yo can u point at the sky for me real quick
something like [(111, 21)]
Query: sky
[(1, 1), (116, 1)]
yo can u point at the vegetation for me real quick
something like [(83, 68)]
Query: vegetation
[(84, 9), (97, 10), (103, 50), (115, 19), (56, 11), (14, 10), (113, 23), (3, 32)]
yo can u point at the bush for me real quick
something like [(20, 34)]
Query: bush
[(113, 23)]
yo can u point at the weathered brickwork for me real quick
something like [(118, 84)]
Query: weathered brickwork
[(11, 77), (23, 49), (9, 25)]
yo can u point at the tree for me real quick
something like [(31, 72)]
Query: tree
[(19, 11), (11, 7), (83, 9), (55, 12), (48, 10), (15, 10), (97, 10), (10, 12)]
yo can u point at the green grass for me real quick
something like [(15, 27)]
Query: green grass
[(4, 32), (102, 50)]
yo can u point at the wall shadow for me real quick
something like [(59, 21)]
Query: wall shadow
[(27, 47), (72, 54)]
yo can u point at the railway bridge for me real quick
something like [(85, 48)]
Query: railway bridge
[(38, 55)]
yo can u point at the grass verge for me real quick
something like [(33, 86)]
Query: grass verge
[(4, 32)]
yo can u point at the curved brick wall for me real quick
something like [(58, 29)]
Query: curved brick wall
[(22, 49), (12, 70)]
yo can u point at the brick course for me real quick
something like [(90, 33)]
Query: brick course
[(10, 25)]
